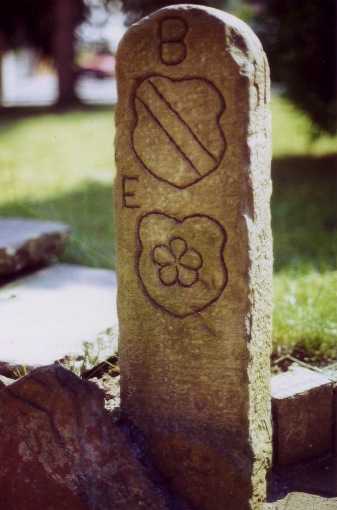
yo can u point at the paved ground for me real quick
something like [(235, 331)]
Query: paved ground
[(303, 501), (58, 311)]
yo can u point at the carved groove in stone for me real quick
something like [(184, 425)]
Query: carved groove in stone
[(172, 33), (175, 266), (129, 194), (178, 263), (178, 136)]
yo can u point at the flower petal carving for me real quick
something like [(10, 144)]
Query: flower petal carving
[(187, 277), (178, 247), (168, 274), (191, 259), (179, 264), (162, 255)]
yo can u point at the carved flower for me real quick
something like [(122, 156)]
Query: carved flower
[(178, 263)]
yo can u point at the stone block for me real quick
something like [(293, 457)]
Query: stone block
[(302, 407), (29, 243), (194, 261)]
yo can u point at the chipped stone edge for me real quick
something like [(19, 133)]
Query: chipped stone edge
[(13, 258)]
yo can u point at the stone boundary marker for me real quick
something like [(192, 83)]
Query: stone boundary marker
[(194, 258)]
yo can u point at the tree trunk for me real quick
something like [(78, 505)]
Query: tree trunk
[(65, 20)]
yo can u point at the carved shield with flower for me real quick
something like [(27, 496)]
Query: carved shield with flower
[(181, 263)]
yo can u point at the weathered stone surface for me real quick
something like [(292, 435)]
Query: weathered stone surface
[(60, 449), (302, 405), (301, 501), (62, 310), (110, 386), (28, 243), (194, 251)]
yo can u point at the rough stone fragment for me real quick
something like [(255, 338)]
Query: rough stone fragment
[(302, 405), (29, 243), (57, 312), (60, 449), (194, 251)]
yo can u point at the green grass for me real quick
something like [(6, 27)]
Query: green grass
[(59, 166), (304, 213), (305, 313), (293, 134), (304, 221), (43, 156)]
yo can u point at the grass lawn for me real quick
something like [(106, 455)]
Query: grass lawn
[(59, 166), (304, 221)]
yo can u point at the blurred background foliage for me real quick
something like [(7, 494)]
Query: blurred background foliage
[(49, 28), (298, 36)]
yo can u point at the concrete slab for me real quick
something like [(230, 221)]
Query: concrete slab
[(331, 372), (28, 243), (62, 310), (296, 380)]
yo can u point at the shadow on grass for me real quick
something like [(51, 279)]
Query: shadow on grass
[(304, 213), (89, 213), (19, 112), (304, 216)]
